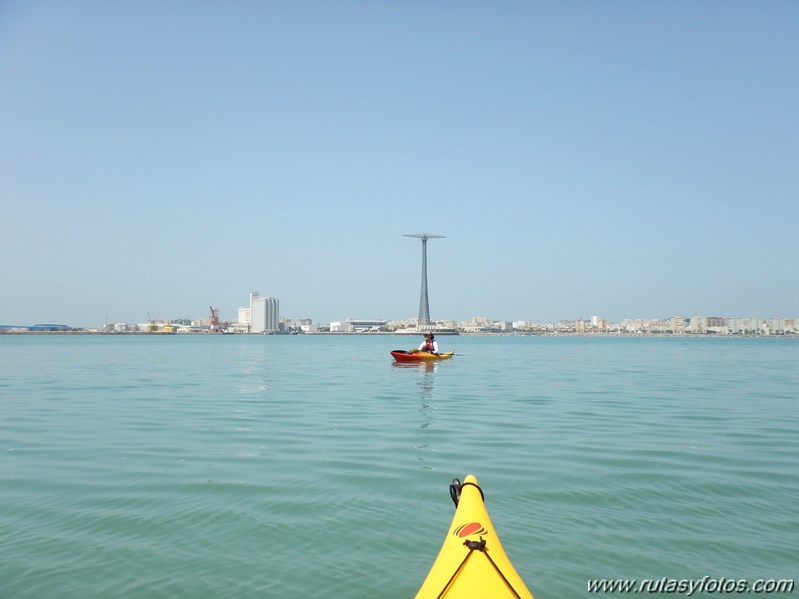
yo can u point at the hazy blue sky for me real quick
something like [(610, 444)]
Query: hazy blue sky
[(624, 159)]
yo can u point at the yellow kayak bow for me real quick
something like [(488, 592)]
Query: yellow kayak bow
[(472, 562)]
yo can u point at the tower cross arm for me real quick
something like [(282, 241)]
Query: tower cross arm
[(424, 236)]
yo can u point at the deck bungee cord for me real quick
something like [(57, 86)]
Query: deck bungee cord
[(458, 571)]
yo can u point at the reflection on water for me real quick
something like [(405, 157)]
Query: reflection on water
[(425, 386), (424, 366), (252, 365)]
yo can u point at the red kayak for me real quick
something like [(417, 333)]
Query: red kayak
[(400, 355)]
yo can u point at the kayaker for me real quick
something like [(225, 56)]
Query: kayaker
[(429, 345)]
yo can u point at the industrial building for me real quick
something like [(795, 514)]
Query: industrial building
[(33, 328), (262, 315)]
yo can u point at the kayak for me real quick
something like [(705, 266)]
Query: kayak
[(400, 355), (472, 562)]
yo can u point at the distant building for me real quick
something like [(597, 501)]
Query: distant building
[(698, 324), (41, 328), (33, 328), (357, 326), (677, 324), (744, 326), (306, 325), (264, 314)]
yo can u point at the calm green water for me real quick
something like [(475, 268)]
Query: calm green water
[(309, 466)]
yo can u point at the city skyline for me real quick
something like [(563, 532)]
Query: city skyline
[(622, 159), (269, 320)]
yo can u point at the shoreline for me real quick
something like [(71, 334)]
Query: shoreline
[(394, 334)]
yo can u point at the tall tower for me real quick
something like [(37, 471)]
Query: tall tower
[(424, 303)]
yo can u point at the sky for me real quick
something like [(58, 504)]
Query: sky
[(623, 159)]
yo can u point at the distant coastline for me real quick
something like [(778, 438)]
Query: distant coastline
[(594, 326), (682, 335)]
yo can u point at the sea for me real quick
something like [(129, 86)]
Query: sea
[(314, 466)]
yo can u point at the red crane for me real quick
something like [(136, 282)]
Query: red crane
[(214, 318)]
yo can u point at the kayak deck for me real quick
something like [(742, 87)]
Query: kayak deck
[(401, 355), (472, 562)]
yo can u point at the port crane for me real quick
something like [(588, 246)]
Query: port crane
[(214, 319)]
